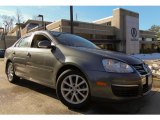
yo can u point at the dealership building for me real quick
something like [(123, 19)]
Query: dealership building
[(119, 32)]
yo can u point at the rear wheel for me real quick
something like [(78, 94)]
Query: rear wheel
[(73, 89), (11, 74)]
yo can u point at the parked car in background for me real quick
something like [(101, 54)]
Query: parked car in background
[(76, 68), (2, 52)]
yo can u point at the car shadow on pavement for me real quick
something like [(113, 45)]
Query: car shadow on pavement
[(146, 105), (114, 108), (38, 88)]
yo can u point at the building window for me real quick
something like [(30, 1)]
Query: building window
[(100, 36), (107, 46), (108, 23), (148, 39), (153, 39), (143, 38), (111, 37), (87, 36)]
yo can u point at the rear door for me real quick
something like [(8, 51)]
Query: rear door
[(41, 61), (20, 56)]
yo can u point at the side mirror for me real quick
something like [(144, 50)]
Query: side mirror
[(46, 44)]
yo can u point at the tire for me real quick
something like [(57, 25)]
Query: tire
[(12, 78), (73, 90)]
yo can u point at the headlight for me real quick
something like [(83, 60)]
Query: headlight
[(116, 66)]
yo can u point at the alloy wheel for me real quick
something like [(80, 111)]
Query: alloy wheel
[(74, 89)]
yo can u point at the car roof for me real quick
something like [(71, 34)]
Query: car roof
[(54, 33)]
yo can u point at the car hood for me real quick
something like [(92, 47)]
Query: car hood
[(113, 55)]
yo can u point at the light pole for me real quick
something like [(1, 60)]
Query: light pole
[(19, 33), (42, 21), (71, 19), (3, 36), (2, 32)]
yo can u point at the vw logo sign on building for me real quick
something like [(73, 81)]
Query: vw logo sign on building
[(134, 32)]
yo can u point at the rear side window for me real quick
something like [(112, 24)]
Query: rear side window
[(24, 42)]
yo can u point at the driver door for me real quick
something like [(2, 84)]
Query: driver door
[(41, 61)]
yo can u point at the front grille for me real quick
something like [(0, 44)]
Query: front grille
[(125, 91), (141, 69)]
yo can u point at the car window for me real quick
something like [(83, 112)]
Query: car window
[(24, 42), (37, 38), (17, 43), (73, 40)]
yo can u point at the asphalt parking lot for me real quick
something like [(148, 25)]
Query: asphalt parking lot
[(26, 97)]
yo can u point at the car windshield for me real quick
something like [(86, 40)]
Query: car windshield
[(73, 40)]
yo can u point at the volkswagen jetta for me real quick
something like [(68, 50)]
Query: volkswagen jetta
[(76, 68)]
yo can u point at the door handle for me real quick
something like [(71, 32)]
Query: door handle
[(29, 55)]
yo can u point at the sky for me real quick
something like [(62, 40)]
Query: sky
[(149, 15)]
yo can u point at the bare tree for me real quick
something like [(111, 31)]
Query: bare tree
[(8, 22), (156, 29), (19, 19), (19, 16), (1, 31)]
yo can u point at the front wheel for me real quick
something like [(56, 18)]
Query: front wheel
[(73, 89), (11, 74)]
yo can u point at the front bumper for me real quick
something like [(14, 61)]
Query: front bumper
[(119, 86)]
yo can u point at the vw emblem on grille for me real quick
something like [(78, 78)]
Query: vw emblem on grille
[(134, 32)]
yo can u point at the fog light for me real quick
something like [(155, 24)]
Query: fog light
[(103, 84)]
